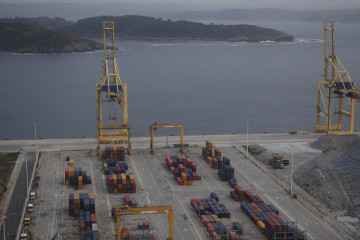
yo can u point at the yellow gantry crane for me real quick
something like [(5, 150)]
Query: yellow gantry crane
[(337, 87), (126, 210), (155, 126), (112, 91)]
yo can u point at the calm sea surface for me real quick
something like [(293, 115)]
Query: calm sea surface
[(210, 87)]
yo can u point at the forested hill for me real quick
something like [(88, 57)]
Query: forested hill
[(22, 38), (149, 28)]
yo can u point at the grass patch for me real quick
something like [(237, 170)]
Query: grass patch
[(7, 163)]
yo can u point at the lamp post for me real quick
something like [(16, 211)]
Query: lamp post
[(27, 176), (35, 124), (3, 218), (291, 175), (247, 138)]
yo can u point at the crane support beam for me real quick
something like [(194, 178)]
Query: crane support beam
[(335, 85), (125, 210), (155, 126)]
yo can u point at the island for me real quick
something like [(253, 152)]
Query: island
[(150, 28), (46, 35)]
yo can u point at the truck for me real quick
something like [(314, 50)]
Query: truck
[(278, 161), (24, 234), (30, 206), (32, 195), (28, 218)]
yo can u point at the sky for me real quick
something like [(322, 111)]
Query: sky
[(223, 4)]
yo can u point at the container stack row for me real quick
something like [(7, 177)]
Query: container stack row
[(121, 183), (226, 172), (267, 219), (114, 166), (183, 169), (76, 177), (210, 212), (83, 206), (113, 153)]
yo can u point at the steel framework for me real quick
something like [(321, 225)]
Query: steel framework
[(111, 90), (336, 85), (155, 126)]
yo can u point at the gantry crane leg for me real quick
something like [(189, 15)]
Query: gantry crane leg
[(337, 82)]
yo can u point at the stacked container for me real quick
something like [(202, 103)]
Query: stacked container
[(227, 171), (83, 205), (237, 194), (121, 183), (114, 153), (207, 151), (183, 169), (267, 219), (76, 177), (210, 212)]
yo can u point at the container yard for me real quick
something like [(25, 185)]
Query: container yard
[(252, 207)]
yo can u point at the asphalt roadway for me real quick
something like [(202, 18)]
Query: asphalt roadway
[(14, 212)]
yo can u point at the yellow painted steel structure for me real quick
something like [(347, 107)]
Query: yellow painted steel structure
[(338, 89), (111, 90), (126, 210), (155, 126)]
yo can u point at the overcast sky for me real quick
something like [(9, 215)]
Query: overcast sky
[(222, 4)]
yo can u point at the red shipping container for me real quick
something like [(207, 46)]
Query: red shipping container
[(194, 176), (172, 170), (179, 181), (183, 158), (194, 202), (181, 168), (66, 172), (215, 236), (110, 179), (194, 167), (118, 168), (238, 189), (127, 200), (76, 206), (82, 225), (234, 196), (204, 220), (274, 214), (253, 217), (93, 218), (210, 227), (214, 163), (133, 189), (146, 225), (189, 161), (217, 153)]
